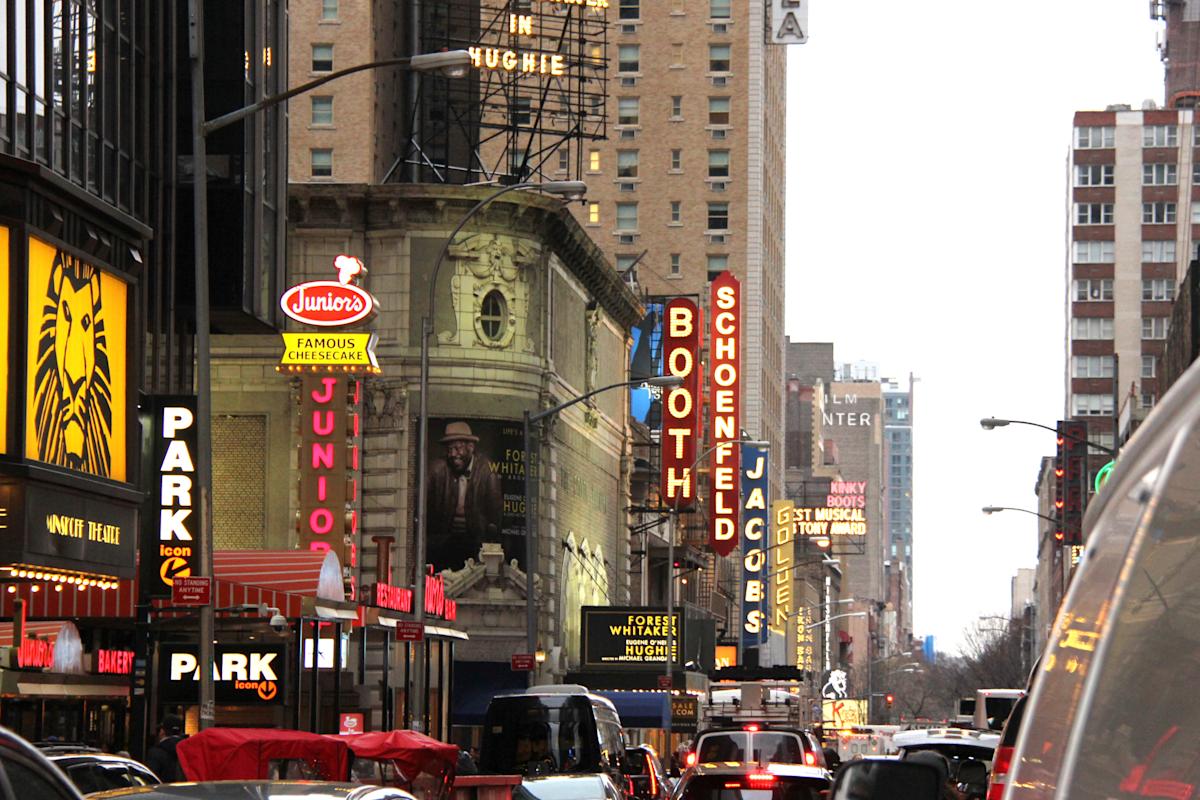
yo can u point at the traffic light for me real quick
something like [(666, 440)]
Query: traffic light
[(889, 699), (1073, 436)]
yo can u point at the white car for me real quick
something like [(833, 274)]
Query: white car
[(956, 744)]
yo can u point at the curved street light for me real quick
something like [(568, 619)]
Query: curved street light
[(997, 509), (990, 423), (835, 616)]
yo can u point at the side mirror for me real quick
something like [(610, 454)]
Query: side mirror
[(886, 779)]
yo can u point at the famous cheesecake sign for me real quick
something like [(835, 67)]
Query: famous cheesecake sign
[(331, 304)]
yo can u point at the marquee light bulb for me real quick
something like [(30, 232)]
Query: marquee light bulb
[(58, 588), (12, 590), (81, 587), (35, 588)]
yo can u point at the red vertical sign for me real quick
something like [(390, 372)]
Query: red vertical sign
[(724, 412), (324, 457), (681, 408)]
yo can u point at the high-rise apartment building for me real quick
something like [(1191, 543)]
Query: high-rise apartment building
[(898, 474), (1180, 49), (1133, 222), (689, 182)]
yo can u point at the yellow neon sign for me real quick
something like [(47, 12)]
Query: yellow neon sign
[(349, 352)]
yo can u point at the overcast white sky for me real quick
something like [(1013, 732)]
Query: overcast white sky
[(926, 207)]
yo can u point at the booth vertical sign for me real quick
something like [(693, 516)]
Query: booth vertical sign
[(681, 413), (724, 412), (756, 563), (170, 519)]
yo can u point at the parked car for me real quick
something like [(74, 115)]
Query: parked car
[(752, 782), (27, 774), (958, 745), (92, 770), (1113, 711), (647, 779), (258, 790), (759, 744), (593, 786)]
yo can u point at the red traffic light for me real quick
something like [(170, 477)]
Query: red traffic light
[(889, 699)]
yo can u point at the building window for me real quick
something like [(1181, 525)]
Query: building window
[(1093, 290), (1148, 366), (716, 265), (627, 163), (564, 159), (1093, 405), (719, 57), (1094, 253), (676, 267), (1160, 175), (676, 212), (629, 9), (1094, 175), (627, 216), (718, 216), (718, 111), (593, 213), (322, 58), (1091, 366), (1160, 136), (1158, 289), (628, 58), (719, 9), (1158, 213), (628, 110), (718, 163), (1104, 442), (322, 163), (593, 161), (1093, 213), (1154, 327), (1095, 137), (322, 111), (676, 160), (677, 106), (1148, 400), (1158, 251), (493, 315), (1091, 328), (329, 9), (522, 111)]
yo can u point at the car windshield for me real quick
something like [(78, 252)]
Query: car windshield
[(956, 752), (750, 787), (581, 787), (998, 709), (779, 748), (716, 747), (539, 735)]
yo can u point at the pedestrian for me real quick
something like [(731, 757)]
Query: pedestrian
[(466, 764), (161, 757)]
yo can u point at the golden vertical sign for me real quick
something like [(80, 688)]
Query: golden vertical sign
[(75, 377), (782, 526)]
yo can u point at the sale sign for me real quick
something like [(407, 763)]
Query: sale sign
[(682, 328), (724, 412)]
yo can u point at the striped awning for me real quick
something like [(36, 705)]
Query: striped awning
[(41, 630), (297, 582)]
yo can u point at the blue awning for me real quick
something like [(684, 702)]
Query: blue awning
[(638, 709), (475, 683)]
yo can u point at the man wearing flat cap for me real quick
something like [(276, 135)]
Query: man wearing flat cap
[(465, 501)]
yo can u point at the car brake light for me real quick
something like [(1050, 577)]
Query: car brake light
[(995, 791), (690, 760), (653, 780), (761, 777), (810, 759), (750, 728), (1002, 762), (631, 790)]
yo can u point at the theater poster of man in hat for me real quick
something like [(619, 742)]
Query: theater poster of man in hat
[(465, 501)]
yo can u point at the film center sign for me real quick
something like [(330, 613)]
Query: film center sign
[(628, 637)]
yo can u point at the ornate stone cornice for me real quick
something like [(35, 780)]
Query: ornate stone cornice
[(414, 206)]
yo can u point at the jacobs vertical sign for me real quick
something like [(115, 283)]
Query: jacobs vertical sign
[(756, 547), (681, 414), (724, 411)]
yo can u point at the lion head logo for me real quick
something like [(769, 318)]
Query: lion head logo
[(73, 394)]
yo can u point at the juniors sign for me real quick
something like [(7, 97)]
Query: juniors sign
[(243, 674), (681, 413), (725, 412), (755, 549), (330, 304)]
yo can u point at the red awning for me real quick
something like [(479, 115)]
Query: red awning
[(42, 630), (297, 582)]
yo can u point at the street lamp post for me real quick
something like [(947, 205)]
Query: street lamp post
[(453, 64), (570, 190), (990, 423), (530, 517), (997, 509)]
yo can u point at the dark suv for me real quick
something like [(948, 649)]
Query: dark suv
[(759, 744)]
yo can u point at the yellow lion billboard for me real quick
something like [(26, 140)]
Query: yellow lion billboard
[(75, 392)]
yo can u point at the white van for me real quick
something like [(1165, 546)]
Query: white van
[(1113, 710)]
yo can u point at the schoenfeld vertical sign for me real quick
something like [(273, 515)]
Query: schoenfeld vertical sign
[(725, 360)]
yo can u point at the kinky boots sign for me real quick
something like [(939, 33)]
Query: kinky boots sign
[(330, 469)]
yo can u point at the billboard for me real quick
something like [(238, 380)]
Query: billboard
[(645, 361), (787, 21), (628, 637), (475, 490), (170, 518), (681, 410), (246, 673), (725, 430), (756, 562), (843, 514), (75, 385)]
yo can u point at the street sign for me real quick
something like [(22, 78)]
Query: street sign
[(409, 631), (350, 724), (665, 682), (191, 591), (522, 662)]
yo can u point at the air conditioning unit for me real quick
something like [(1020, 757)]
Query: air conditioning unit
[(629, 81), (628, 28), (627, 187), (720, 27), (626, 238), (716, 238), (719, 80), (718, 186), (631, 134), (719, 133)]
